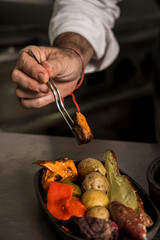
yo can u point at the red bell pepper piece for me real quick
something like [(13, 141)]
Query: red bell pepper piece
[(77, 208), (61, 204), (58, 200)]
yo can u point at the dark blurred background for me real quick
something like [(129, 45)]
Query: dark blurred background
[(120, 103)]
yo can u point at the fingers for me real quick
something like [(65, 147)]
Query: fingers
[(24, 81), (62, 65), (23, 93), (38, 102), (52, 67), (31, 78), (57, 71), (30, 67), (30, 99)]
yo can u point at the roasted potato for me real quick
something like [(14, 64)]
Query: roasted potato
[(98, 212), (93, 197), (95, 180), (88, 165)]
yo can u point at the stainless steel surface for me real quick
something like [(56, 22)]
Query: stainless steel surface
[(20, 214)]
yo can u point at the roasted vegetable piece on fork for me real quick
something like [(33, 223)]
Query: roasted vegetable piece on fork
[(127, 221), (82, 129)]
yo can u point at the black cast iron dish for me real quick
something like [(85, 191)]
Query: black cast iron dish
[(148, 206), (153, 178)]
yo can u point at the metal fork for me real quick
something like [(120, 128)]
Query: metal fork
[(51, 84)]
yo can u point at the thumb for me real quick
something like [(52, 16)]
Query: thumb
[(52, 66)]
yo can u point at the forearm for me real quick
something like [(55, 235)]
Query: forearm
[(94, 21), (71, 39)]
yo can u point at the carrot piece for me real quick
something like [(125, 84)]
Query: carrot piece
[(66, 229)]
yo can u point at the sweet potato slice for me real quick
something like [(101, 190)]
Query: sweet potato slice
[(62, 168), (82, 129)]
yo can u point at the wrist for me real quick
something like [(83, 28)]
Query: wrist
[(76, 43), (77, 54)]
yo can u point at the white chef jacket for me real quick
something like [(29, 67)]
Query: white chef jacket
[(93, 19)]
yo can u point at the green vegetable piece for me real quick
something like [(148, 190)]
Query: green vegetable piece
[(120, 188), (77, 191)]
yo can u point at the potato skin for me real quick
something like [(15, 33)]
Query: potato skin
[(93, 197), (95, 180), (98, 212), (88, 165)]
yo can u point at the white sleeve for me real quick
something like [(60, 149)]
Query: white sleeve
[(93, 19)]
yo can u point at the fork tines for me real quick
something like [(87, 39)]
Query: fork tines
[(60, 104), (51, 84)]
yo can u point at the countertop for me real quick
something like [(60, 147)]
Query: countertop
[(20, 214)]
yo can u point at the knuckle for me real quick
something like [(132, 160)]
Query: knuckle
[(32, 86), (18, 92), (14, 75), (43, 101), (32, 103), (39, 103), (25, 103), (33, 72), (21, 59), (25, 49)]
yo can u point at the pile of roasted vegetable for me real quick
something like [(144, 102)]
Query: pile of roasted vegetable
[(94, 200)]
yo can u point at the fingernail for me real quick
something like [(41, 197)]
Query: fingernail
[(43, 88), (41, 77)]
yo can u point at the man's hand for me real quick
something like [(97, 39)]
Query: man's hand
[(64, 65)]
